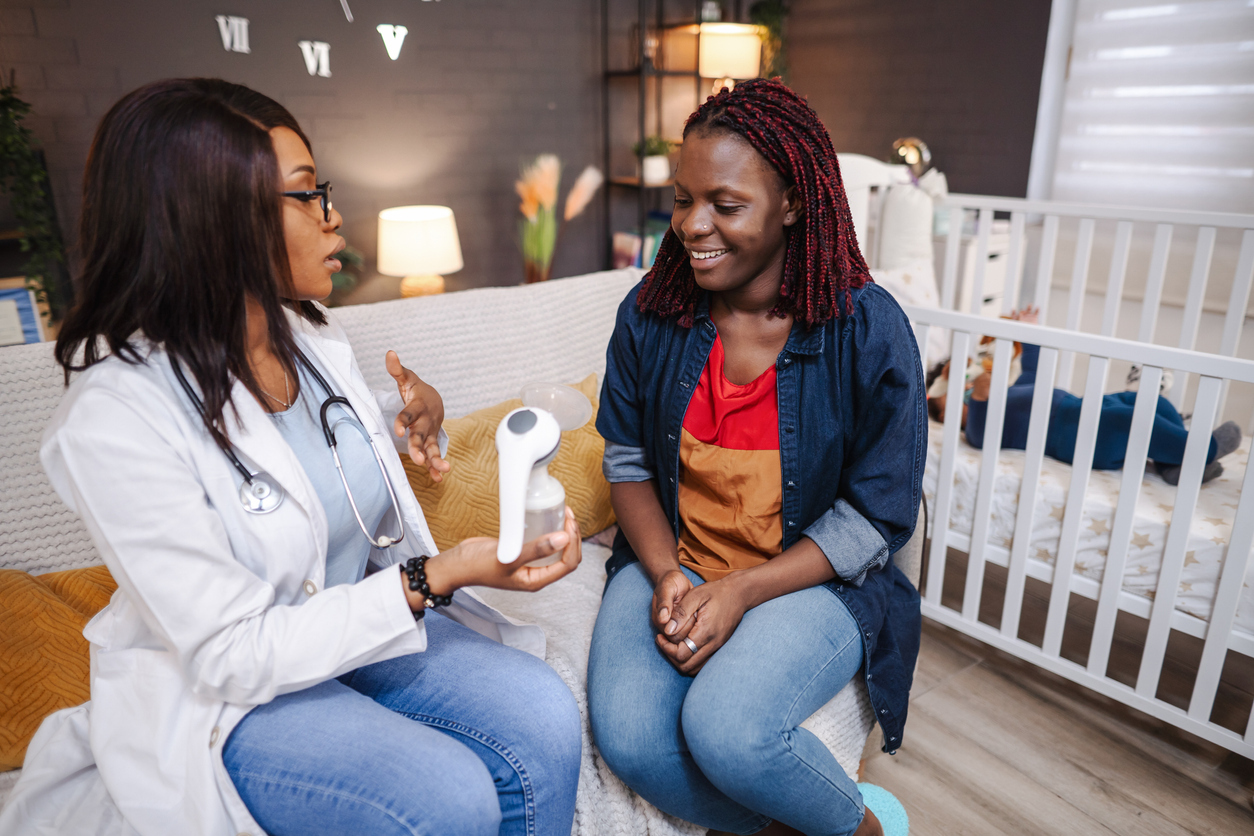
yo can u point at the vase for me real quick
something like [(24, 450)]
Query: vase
[(534, 272), (655, 170)]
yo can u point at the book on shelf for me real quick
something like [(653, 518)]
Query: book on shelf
[(631, 249), (19, 317)]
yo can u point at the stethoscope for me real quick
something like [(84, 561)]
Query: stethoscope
[(259, 493)]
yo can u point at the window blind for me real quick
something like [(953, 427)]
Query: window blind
[(1159, 106)]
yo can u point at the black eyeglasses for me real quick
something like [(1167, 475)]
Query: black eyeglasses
[(322, 193)]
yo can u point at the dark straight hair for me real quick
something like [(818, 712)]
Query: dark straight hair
[(182, 223)]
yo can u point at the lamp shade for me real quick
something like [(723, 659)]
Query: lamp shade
[(418, 240), (729, 50)]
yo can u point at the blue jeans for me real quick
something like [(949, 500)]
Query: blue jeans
[(1114, 426), (723, 749), (468, 737)]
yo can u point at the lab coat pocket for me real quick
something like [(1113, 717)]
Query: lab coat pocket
[(143, 722)]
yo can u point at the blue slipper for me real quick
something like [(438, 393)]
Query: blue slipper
[(887, 809)]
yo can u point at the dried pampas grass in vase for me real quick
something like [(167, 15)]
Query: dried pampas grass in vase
[(539, 230)]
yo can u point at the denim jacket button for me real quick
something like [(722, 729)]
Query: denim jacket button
[(792, 524), (792, 484), (787, 360), (787, 429), (883, 711)]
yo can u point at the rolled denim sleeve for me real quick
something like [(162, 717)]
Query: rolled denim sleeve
[(619, 418), (851, 544), (881, 480), (625, 464)]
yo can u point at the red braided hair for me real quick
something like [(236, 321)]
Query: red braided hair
[(822, 261)]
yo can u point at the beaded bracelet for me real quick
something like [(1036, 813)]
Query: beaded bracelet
[(416, 570)]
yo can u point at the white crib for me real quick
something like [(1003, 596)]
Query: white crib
[(1005, 525)]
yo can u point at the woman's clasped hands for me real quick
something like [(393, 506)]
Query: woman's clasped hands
[(705, 615)]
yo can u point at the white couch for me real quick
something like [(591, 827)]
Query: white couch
[(477, 347)]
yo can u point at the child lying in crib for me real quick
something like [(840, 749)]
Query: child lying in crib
[(1167, 439)]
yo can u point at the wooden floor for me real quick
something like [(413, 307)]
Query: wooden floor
[(996, 746)]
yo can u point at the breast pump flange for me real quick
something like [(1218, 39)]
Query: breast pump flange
[(533, 503)]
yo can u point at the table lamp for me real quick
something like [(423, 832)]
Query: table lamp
[(421, 244), (729, 51)]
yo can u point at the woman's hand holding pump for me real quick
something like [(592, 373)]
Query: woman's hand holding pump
[(422, 416), (473, 562)]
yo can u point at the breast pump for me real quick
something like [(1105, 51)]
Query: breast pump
[(533, 503)]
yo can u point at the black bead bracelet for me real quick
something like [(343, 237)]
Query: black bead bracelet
[(416, 570)]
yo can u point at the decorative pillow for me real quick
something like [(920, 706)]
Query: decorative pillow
[(44, 664), (466, 503), (915, 284), (905, 227)]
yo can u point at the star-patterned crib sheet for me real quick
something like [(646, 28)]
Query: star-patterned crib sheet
[(1208, 534)]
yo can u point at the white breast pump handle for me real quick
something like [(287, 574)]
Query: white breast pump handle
[(524, 437)]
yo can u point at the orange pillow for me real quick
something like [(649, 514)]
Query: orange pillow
[(466, 503), (44, 663)]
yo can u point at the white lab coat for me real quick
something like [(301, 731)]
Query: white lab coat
[(217, 610)]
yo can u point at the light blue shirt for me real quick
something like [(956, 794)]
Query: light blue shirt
[(348, 551)]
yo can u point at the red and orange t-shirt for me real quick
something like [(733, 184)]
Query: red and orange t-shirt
[(730, 491)]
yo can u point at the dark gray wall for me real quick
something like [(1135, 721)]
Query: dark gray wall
[(962, 75), (479, 86)]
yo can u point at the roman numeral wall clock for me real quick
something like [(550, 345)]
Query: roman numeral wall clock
[(233, 30), (393, 37)]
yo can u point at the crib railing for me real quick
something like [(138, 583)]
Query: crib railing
[(1219, 633), (1045, 220)]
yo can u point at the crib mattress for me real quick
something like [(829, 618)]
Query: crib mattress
[(1208, 534)]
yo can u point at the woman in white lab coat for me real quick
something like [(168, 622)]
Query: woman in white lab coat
[(252, 673)]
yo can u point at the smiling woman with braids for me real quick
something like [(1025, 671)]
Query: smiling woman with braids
[(765, 435)]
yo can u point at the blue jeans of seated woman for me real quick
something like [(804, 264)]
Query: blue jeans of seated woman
[(723, 749), (469, 737)]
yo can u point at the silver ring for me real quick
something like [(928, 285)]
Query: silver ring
[(691, 645)]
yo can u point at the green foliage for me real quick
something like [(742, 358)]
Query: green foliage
[(351, 261), (539, 239), (653, 146), (772, 15), (24, 180)]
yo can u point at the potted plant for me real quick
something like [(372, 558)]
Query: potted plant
[(24, 180), (655, 161), (540, 228)]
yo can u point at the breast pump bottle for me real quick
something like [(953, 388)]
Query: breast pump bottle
[(533, 503)]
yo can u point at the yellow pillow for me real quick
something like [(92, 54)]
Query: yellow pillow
[(44, 663), (465, 504)]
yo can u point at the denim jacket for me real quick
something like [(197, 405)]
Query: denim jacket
[(852, 444)]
